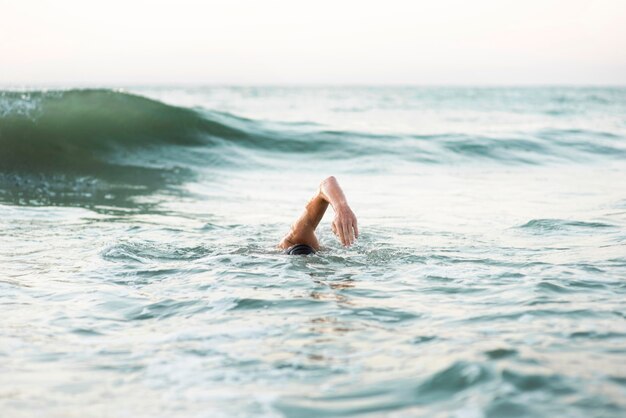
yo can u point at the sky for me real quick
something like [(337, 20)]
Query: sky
[(244, 42)]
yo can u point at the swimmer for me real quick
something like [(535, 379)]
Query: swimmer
[(301, 240)]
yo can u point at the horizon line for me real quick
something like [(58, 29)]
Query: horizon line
[(122, 85)]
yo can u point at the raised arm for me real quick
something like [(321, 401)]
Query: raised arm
[(344, 225)]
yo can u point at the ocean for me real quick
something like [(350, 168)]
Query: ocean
[(139, 275)]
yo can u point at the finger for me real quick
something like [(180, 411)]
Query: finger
[(340, 234), (350, 234), (356, 229), (346, 235)]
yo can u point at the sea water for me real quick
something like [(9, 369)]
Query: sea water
[(139, 275)]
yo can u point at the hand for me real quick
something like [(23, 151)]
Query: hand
[(344, 225)]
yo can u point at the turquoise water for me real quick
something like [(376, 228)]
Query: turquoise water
[(139, 275)]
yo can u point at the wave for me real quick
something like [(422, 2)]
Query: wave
[(102, 143), (78, 130), (541, 226), (99, 146), (402, 395)]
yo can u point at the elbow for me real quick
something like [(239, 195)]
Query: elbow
[(329, 179), (326, 186), (325, 183)]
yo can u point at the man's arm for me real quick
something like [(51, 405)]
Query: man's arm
[(344, 225)]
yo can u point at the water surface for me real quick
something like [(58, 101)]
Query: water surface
[(140, 275)]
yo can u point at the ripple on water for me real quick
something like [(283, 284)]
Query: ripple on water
[(382, 314), (274, 304), (543, 226), (500, 353), (166, 308), (144, 251), (387, 396), (552, 287), (529, 314), (548, 383)]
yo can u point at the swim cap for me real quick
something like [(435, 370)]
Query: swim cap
[(300, 249)]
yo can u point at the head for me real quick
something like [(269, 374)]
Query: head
[(300, 249)]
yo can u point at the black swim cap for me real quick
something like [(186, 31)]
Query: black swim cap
[(300, 249)]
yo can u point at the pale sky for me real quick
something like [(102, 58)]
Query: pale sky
[(467, 42)]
